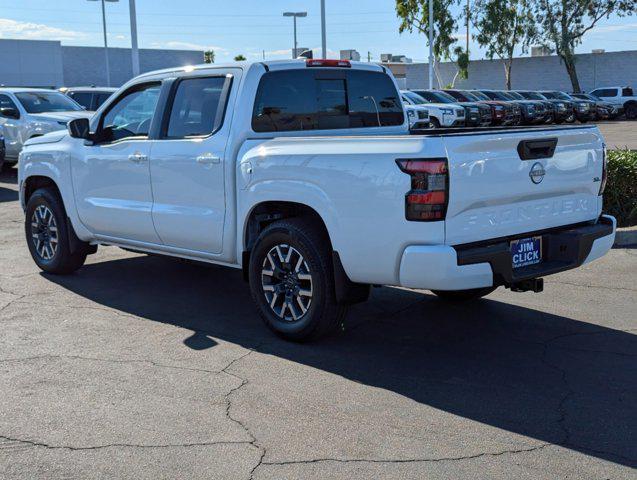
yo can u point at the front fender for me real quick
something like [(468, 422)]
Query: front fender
[(38, 161)]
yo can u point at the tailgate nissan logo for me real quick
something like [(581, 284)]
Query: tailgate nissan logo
[(537, 173)]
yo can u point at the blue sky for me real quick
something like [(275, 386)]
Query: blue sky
[(249, 27)]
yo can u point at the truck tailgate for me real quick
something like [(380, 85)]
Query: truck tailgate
[(495, 191)]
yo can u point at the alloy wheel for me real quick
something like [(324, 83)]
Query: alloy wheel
[(44, 232), (287, 282)]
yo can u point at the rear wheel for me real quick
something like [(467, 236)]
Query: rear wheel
[(292, 281), (463, 295), (47, 234)]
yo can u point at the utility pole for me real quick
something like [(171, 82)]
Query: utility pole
[(323, 41), (369, 57), (431, 44), (133, 36)]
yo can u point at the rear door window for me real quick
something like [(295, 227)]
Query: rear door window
[(627, 92), (325, 99)]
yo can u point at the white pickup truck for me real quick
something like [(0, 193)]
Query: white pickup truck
[(304, 174), (623, 97)]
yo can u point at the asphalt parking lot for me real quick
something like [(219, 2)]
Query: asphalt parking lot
[(144, 367), (620, 133)]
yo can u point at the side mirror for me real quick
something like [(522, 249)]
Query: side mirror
[(79, 128), (9, 112)]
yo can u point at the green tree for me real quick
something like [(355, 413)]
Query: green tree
[(563, 23), (414, 16), (239, 58), (209, 56), (503, 26)]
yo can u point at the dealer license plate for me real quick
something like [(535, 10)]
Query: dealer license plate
[(526, 251)]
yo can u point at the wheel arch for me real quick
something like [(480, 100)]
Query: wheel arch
[(264, 213)]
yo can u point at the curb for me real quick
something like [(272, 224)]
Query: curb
[(626, 237)]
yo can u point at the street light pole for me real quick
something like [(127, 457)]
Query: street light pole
[(133, 36), (108, 68), (323, 40), (294, 15)]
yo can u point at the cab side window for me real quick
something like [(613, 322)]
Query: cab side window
[(197, 108), (605, 92), (131, 115)]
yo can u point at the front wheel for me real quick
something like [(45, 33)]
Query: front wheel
[(292, 280), (631, 112), (434, 123), (463, 295), (47, 234)]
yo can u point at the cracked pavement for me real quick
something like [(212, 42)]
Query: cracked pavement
[(145, 367)]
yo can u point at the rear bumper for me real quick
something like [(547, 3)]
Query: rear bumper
[(442, 267)]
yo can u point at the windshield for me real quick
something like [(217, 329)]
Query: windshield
[(470, 96), (551, 95), (415, 98), (436, 97), (515, 95), (44, 102), (532, 95), (480, 96), (563, 96)]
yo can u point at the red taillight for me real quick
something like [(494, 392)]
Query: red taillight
[(322, 62), (602, 186), (427, 200)]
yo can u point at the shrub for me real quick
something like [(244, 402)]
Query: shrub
[(620, 196)]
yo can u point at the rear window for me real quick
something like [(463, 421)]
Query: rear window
[(83, 98), (325, 99)]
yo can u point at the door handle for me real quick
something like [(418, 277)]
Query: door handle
[(137, 157), (207, 159)]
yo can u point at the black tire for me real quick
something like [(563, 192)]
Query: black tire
[(434, 123), (322, 315), (463, 295), (631, 111), (62, 261)]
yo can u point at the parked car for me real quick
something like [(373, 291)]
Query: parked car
[(478, 113), (26, 113), (605, 110), (443, 110), (527, 108), (583, 110), (621, 96), (560, 110), (537, 110), (503, 113), (418, 116), (314, 197), (91, 98)]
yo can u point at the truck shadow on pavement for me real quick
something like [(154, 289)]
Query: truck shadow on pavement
[(548, 377), (9, 177)]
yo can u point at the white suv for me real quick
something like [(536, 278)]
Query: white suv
[(440, 114), (623, 96), (28, 112)]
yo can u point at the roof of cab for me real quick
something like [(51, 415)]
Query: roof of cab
[(268, 64)]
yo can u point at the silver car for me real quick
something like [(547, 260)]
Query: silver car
[(29, 112)]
